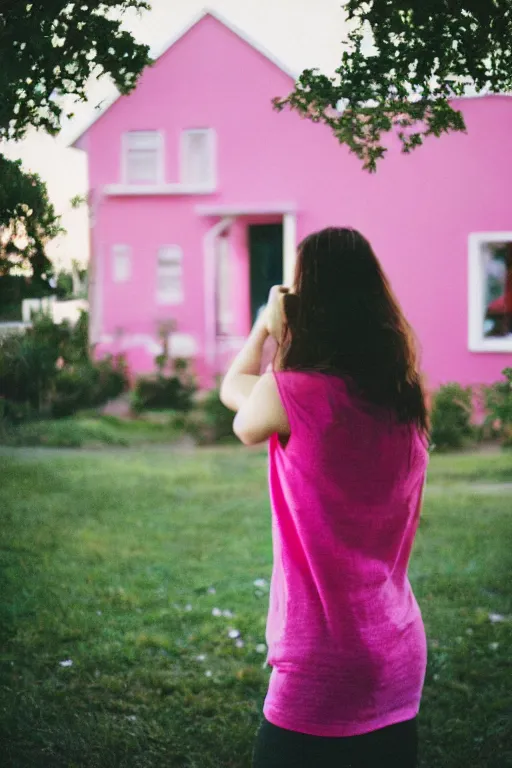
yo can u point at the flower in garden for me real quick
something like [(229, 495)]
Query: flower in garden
[(216, 612), (208, 673), (201, 657), (260, 583), (60, 363), (234, 633), (493, 646), (212, 591), (261, 648), (66, 663), (228, 614), (239, 643), (494, 618)]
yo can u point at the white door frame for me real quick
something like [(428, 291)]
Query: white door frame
[(210, 252), (289, 247), (229, 215)]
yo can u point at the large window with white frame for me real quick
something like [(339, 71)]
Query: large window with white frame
[(490, 292), (121, 263), (198, 163), (169, 281), (143, 157)]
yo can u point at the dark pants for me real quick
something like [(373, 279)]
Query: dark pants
[(393, 747)]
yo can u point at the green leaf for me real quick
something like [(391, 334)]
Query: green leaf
[(424, 53)]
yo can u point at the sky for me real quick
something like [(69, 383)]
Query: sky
[(300, 33)]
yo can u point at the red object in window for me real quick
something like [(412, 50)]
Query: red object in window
[(497, 307), (503, 304), (507, 299)]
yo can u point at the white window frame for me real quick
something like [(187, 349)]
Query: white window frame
[(178, 297), (210, 183), (160, 171), (476, 300), (124, 251)]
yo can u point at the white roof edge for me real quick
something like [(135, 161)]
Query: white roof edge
[(250, 41), (481, 94), (100, 111), (196, 18)]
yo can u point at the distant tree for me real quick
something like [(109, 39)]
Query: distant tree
[(49, 49), (403, 62), (72, 284), (27, 222)]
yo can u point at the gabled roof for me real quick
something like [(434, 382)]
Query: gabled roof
[(194, 21)]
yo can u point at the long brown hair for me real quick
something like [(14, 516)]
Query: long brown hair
[(343, 318)]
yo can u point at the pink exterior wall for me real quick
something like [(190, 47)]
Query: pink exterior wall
[(418, 210)]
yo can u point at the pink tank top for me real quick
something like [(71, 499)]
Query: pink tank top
[(345, 634)]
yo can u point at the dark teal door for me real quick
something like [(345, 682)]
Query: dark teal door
[(266, 257)]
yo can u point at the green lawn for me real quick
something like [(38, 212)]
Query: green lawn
[(90, 430), (109, 561)]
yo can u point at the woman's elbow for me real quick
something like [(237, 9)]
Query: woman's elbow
[(246, 438), (246, 435), (226, 396)]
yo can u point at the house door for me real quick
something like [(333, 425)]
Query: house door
[(266, 258)]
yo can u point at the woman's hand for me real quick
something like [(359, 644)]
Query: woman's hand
[(274, 313)]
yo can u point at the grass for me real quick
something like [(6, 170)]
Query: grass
[(92, 431), (109, 561), (494, 466)]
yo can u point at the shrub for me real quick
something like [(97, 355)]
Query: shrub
[(73, 390), (13, 412), (451, 417), (76, 342), (174, 390), (86, 385), (46, 370), (112, 379), (216, 421), (28, 363), (163, 393), (498, 403)]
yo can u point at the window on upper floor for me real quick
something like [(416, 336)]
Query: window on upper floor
[(198, 157), (490, 292), (121, 263), (143, 157), (169, 281)]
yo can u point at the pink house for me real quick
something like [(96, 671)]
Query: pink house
[(200, 192)]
